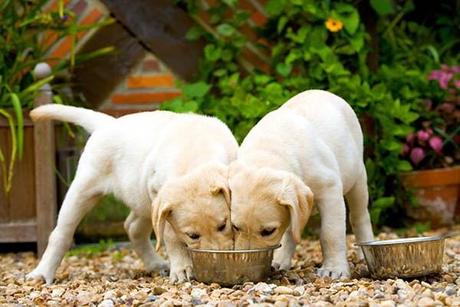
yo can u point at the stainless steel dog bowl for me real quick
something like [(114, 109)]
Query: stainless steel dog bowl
[(406, 258), (231, 267)]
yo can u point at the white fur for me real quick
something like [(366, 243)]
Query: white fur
[(316, 136), (132, 157)]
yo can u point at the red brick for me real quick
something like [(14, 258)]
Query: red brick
[(252, 58), (143, 98), (91, 17), (66, 44), (150, 81), (258, 18), (63, 48)]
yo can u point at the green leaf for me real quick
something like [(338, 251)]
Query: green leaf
[(380, 205), (349, 16), (293, 56), (404, 166), (180, 106), (284, 69), (384, 202), (230, 3), (275, 7), (196, 90), (20, 121), (225, 29), (281, 23), (194, 33), (212, 53), (382, 7), (37, 85)]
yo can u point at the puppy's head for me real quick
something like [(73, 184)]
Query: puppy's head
[(197, 206), (264, 203)]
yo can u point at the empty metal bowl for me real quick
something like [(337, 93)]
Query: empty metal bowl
[(231, 267), (406, 258)]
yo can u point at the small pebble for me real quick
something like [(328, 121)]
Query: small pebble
[(425, 302), (104, 280), (106, 303), (283, 290)]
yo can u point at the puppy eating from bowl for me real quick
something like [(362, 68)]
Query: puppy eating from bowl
[(311, 148), (167, 168)]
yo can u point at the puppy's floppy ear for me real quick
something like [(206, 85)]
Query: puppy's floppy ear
[(299, 198), (160, 212), (217, 188), (219, 184)]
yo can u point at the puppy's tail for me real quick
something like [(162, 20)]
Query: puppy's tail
[(90, 120)]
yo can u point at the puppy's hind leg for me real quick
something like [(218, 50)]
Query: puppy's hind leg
[(81, 197), (357, 199), (139, 230)]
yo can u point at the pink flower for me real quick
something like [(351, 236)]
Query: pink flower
[(456, 69), (429, 131), (442, 76), (416, 155), (444, 81), (457, 83), (405, 150), (423, 135), (410, 138), (436, 143)]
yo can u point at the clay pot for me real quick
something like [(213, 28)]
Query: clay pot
[(437, 195)]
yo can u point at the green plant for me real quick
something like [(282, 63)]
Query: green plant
[(24, 25), (321, 44), (92, 249)]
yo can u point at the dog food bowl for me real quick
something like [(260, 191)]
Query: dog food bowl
[(406, 258), (231, 267)]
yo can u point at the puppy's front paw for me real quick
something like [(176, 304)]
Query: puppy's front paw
[(281, 265), (161, 266), (39, 274), (180, 273), (359, 254), (334, 272)]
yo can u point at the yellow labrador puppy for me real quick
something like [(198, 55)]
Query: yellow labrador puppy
[(166, 166), (312, 145)]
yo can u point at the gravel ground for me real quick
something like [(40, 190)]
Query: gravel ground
[(116, 278)]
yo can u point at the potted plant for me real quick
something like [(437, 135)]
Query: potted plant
[(28, 31), (433, 151)]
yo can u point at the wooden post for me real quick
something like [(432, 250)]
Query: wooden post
[(45, 181)]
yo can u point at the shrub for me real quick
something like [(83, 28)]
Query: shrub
[(324, 45)]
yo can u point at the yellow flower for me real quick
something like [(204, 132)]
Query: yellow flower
[(333, 25)]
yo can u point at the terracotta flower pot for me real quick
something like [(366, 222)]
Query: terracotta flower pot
[(437, 195)]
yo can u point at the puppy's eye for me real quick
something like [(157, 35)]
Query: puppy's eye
[(235, 228), (222, 227), (267, 232), (193, 235)]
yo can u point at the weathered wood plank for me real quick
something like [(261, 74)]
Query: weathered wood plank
[(19, 204), (45, 180), (18, 232), (97, 78), (161, 26)]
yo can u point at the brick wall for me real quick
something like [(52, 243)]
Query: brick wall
[(151, 82)]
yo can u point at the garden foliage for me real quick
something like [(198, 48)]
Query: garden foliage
[(28, 31), (375, 54)]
